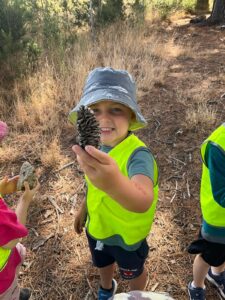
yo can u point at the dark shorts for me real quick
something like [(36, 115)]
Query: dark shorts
[(130, 263), (212, 253)]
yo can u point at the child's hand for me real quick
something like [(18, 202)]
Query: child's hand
[(28, 195), (100, 168), (8, 186)]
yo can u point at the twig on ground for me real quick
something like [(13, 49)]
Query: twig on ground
[(190, 149), (158, 124), (46, 221), (34, 231), (174, 195), (154, 287), (42, 241), (178, 160), (51, 199), (90, 287), (66, 166), (188, 190), (173, 177), (57, 209)]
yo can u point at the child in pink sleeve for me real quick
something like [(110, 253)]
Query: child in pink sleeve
[(12, 228)]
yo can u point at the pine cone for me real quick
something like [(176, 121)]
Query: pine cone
[(88, 128)]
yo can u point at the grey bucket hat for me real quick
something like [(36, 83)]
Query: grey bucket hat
[(114, 85)]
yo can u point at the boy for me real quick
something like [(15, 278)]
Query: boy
[(210, 246), (122, 182), (12, 228)]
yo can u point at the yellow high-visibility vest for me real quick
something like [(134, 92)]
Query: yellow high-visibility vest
[(213, 213), (4, 255), (106, 217)]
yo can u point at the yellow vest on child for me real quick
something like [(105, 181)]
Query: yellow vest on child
[(106, 217), (213, 213), (4, 255)]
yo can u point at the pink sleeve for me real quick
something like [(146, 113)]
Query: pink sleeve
[(10, 228)]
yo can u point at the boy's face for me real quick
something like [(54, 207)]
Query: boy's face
[(114, 120)]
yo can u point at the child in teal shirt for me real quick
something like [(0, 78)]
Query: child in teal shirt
[(210, 245), (122, 181)]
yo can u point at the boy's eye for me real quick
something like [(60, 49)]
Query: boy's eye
[(96, 111), (116, 111)]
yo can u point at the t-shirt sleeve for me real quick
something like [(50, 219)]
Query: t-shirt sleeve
[(141, 162), (215, 160), (10, 228)]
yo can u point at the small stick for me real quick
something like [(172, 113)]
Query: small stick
[(176, 188), (173, 177), (188, 190), (173, 197), (34, 231), (66, 166), (174, 158), (57, 210), (42, 242), (154, 287), (55, 205)]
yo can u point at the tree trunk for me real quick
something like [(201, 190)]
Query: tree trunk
[(218, 12)]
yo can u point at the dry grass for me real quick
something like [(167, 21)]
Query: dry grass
[(42, 101), (51, 155), (41, 108), (203, 115)]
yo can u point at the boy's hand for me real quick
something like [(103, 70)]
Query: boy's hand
[(79, 221), (8, 186), (100, 168), (28, 195)]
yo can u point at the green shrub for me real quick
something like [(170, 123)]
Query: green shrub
[(12, 28), (167, 7), (108, 11), (136, 11)]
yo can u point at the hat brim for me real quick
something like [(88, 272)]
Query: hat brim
[(114, 96)]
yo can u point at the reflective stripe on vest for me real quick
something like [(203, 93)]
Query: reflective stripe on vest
[(213, 213), (106, 217)]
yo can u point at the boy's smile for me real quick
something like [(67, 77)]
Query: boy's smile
[(114, 120)]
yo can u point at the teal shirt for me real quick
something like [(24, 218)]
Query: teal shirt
[(141, 162)]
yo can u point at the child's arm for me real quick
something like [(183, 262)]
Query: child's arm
[(135, 194), (22, 209), (80, 218)]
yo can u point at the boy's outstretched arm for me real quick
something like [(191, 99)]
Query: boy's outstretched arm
[(135, 194)]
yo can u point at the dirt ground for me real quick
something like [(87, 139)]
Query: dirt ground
[(58, 264)]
